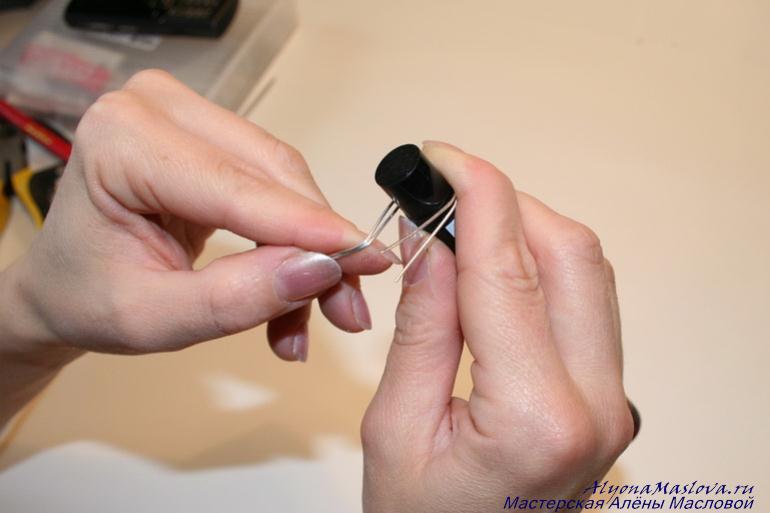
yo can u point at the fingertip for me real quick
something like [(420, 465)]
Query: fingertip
[(442, 155), (369, 261), (418, 269), (463, 170), (345, 307), (439, 145), (361, 310), (288, 335), (437, 261), (381, 249), (451, 162), (291, 348), (373, 259)]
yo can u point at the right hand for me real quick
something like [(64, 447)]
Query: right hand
[(155, 169), (532, 296)]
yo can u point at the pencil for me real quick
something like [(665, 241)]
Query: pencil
[(36, 131)]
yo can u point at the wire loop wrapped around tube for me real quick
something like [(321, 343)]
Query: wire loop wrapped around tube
[(382, 221)]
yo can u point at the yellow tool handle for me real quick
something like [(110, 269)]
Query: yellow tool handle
[(5, 209), (21, 187)]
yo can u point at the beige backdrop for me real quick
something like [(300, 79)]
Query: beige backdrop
[(649, 121)]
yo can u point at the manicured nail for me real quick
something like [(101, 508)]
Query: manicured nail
[(419, 269), (392, 257), (299, 347), (305, 275), (360, 310), (376, 250), (636, 417)]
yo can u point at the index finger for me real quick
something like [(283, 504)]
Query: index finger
[(225, 129), (502, 306), (146, 165)]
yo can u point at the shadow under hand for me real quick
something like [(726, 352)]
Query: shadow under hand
[(223, 403)]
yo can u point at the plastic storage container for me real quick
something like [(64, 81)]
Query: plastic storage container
[(53, 69)]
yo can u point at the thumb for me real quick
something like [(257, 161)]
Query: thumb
[(174, 309), (419, 375)]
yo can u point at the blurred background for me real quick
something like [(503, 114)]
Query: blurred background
[(648, 121)]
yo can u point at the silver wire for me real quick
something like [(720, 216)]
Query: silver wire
[(382, 221), (419, 229), (432, 236)]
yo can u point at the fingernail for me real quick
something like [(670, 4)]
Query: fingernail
[(636, 417), (360, 310), (440, 145), (419, 269), (305, 275), (299, 346), (392, 258), (449, 159), (377, 249)]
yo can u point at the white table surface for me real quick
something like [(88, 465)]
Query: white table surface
[(649, 121)]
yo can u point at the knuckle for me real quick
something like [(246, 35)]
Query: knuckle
[(101, 135), (405, 328), (227, 313), (620, 434), (371, 430), (511, 269), (149, 79), (413, 324), (231, 177), (237, 182), (97, 114), (125, 315), (568, 441), (289, 157), (575, 241), (115, 107), (233, 182)]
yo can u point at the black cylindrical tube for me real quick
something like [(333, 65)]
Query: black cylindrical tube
[(418, 189)]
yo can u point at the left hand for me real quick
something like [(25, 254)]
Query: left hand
[(155, 169)]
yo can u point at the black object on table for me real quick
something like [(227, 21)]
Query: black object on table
[(204, 18), (13, 4)]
